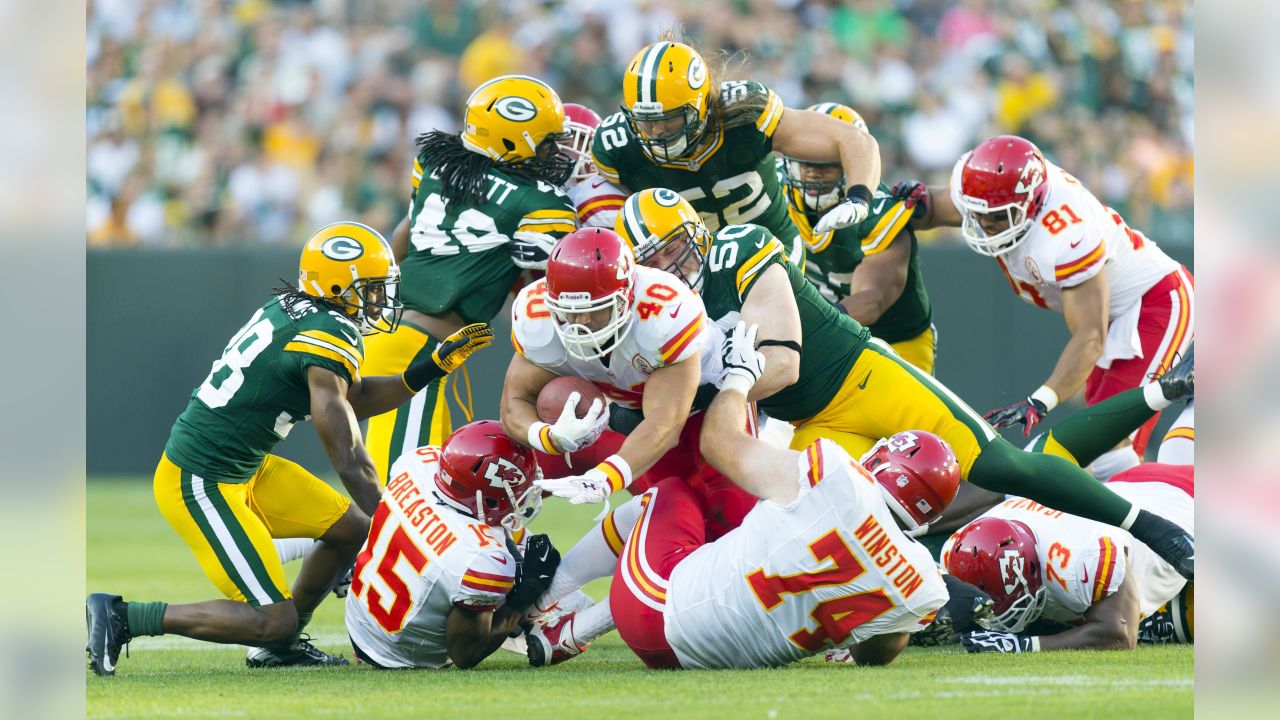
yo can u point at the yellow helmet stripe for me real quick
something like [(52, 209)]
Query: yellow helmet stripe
[(826, 108), (647, 78), (634, 221)]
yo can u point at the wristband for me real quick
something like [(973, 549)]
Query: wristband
[(617, 471), (738, 382), (540, 439), (859, 193), (421, 375), (1035, 644), (1046, 396)]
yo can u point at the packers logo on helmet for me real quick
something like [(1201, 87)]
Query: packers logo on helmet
[(666, 99), (350, 267), (665, 232), (818, 187), (518, 120)]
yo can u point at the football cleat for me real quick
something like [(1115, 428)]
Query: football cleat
[(108, 631), (342, 586), (573, 602), (300, 653), (1180, 381), (552, 643), (838, 655)]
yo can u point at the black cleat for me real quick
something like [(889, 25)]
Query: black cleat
[(301, 653), (1179, 383), (108, 631)]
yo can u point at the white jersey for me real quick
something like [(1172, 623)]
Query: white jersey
[(669, 325), (597, 201), (1084, 561), (1070, 240), (421, 559), (830, 569)]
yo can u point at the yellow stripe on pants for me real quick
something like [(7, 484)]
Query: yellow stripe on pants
[(424, 419)]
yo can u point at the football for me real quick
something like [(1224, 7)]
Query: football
[(554, 394)]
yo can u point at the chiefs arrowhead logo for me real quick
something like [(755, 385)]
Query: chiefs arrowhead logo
[(1013, 571), (1032, 176), (501, 473)]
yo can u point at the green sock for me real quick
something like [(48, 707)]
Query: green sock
[(303, 619), (1049, 480), (1093, 431), (145, 618)]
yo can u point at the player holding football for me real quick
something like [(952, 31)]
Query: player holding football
[(872, 268), (439, 581), (713, 142), (847, 386), (485, 204), (299, 357), (1127, 304), (1091, 579)]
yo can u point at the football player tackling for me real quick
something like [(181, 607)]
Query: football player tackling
[(298, 358)]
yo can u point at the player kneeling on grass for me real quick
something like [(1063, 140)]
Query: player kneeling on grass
[(439, 580), (217, 484), (820, 562)]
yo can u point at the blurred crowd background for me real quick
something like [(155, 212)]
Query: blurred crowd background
[(231, 121)]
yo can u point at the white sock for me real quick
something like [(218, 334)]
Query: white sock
[(291, 549), (593, 622), (592, 557), (1179, 446), (1114, 462), (1154, 396)]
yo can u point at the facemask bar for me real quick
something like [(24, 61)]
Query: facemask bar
[(991, 245), (1024, 611), (696, 240), (817, 195), (550, 163), (579, 148), (672, 146), (580, 340), (358, 297)]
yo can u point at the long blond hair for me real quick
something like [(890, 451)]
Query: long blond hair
[(722, 65)]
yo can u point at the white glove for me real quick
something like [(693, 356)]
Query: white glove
[(572, 433), (589, 487), (743, 363), (849, 212), (530, 250)]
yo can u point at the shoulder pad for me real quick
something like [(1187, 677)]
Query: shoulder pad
[(533, 332)]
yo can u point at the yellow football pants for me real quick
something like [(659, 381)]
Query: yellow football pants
[(920, 350), (884, 394), (424, 419), (229, 526)]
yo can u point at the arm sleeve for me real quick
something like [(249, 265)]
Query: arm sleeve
[(486, 581), (887, 220), (331, 349)]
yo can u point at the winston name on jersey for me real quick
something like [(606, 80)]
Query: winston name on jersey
[(460, 255), (422, 558), (1085, 561), (830, 569), (740, 254), (668, 326), (729, 178), (258, 389), (1070, 241)]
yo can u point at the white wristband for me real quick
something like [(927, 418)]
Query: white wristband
[(737, 381), (1046, 395), (1154, 396), (617, 471), (1035, 643), (540, 439)]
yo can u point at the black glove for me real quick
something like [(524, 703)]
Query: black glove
[(966, 604), (1002, 642), (1158, 629), (535, 572), (915, 195), (624, 419), (1029, 412)]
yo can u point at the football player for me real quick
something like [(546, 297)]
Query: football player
[(484, 205), (872, 268), (847, 386), (820, 563), (1127, 304), (596, 200), (713, 142), (439, 582), (218, 485), (1091, 579)]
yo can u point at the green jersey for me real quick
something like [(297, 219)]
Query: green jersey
[(831, 340), (460, 256), (832, 257), (258, 389), (729, 178)]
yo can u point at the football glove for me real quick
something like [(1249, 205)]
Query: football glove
[(572, 433), (743, 363), (530, 250), (1002, 642), (854, 209), (593, 486), (914, 195), (541, 559), (448, 355), (1029, 412), (1157, 629)]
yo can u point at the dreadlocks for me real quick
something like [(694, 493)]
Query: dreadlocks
[(462, 172)]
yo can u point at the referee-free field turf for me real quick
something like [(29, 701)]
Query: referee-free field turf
[(133, 552)]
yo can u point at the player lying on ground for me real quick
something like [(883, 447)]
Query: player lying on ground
[(439, 580), (217, 484), (917, 476), (1127, 304), (1092, 583), (830, 379)]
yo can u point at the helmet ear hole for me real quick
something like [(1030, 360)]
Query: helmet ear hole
[(335, 289), (510, 146)]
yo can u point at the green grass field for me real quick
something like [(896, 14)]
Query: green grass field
[(131, 551)]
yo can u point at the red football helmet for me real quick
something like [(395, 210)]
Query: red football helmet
[(489, 476), (999, 557), (918, 475), (591, 271), (1006, 174), (580, 122)]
